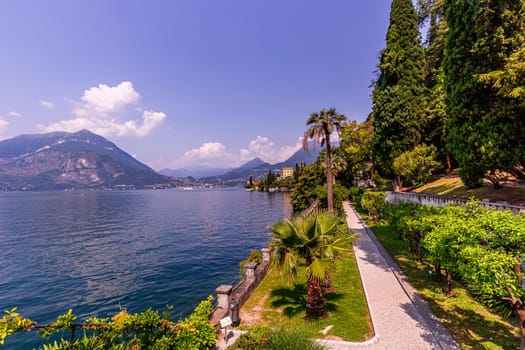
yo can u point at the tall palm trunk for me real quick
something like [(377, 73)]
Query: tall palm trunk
[(315, 306), (329, 177)]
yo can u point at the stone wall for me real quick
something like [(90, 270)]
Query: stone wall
[(437, 200), (255, 273)]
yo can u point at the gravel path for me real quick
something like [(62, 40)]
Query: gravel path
[(400, 317)]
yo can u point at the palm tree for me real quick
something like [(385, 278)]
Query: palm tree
[(314, 241), (321, 125), (337, 160)]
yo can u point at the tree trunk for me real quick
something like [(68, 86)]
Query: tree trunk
[(449, 282), (327, 282), (397, 184), (329, 179), (520, 314), (439, 275), (315, 306)]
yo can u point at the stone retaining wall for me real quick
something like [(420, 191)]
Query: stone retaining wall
[(438, 200), (255, 273)]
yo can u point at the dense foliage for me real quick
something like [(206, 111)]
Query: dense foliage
[(356, 149), (260, 338), (373, 202), (416, 166), (462, 90), (399, 92), (478, 247), (305, 192), (145, 330), (485, 128)]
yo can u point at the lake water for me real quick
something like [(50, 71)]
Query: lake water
[(96, 251)]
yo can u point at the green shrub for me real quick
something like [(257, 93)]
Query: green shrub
[(253, 340), (255, 256), (355, 193), (262, 338), (416, 166), (340, 194), (290, 340), (145, 330), (373, 202)]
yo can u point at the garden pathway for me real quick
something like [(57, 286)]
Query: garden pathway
[(400, 317)]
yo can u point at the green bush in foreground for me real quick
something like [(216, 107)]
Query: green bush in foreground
[(261, 338), (145, 330)]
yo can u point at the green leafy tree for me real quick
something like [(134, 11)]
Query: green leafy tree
[(314, 241), (297, 172), (399, 92), (452, 231), (416, 166), (356, 147), (373, 202), (485, 130), (305, 192), (341, 193), (493, 272), (144, 330), (431, 17), (320, 128)]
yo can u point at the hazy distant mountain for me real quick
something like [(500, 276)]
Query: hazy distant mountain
[(256, 162), (300, 156), (62, 160), (258, 169), (196, 172), (206, 172)]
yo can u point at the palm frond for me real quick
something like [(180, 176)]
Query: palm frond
[(319, 269)]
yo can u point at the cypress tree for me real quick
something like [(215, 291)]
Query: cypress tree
[(399, 92), (484, 127), (431, 16)]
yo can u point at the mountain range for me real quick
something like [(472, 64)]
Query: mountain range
[(61, 160), (258, 169)]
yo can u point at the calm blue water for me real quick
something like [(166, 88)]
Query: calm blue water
[(94, 251)]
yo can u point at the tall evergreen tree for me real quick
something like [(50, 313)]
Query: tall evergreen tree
[(485, 129), (399, 92), (431, 16)]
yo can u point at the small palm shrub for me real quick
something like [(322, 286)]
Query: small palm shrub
[(262, 338)]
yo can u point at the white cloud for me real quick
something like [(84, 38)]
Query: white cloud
[(103, 109), (265, 149), (47, 104), (208, 154), (14, 114), (105, 101), (215, 154)]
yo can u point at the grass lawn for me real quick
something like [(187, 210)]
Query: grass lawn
[(452, 186), (278, 304), (471, 323)]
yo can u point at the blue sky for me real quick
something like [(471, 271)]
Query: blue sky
[(182, 83)]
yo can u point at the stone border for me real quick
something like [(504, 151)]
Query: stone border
[(441, 200), (255, 273)]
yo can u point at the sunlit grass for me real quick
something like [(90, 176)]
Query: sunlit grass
[(279, 304), (453, 186)]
